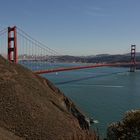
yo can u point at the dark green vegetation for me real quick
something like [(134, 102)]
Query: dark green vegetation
[(127, 129)]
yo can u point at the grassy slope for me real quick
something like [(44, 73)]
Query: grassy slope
[(32, 108)]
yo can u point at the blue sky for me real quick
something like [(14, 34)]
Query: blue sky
[(77, 27)]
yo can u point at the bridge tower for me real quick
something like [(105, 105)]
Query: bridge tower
[(12, 44), (133, 58)]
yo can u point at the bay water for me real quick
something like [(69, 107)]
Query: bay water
[(104, 94)]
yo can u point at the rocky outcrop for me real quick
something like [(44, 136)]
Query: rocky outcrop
[(31, 107), (127, 129)]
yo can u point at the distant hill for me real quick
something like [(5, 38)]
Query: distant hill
[(101, 58)]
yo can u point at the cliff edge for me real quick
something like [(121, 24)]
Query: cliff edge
[(32, 108)]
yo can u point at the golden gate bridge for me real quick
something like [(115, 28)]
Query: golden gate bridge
[(19, 47)]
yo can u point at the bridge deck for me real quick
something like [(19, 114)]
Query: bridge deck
[(84, 67)]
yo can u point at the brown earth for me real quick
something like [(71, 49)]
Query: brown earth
[(32, 108)]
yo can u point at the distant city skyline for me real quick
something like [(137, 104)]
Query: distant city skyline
[(77, 27)]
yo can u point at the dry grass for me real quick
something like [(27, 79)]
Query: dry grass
[(32, 108)]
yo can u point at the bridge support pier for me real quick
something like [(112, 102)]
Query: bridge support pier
[(133, 58), (12, 44)]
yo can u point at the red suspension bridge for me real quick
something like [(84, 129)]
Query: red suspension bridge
[(19, 47)]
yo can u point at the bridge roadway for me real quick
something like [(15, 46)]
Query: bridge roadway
[(85, 67)]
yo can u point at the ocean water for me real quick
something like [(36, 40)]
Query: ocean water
[(102, 93)]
